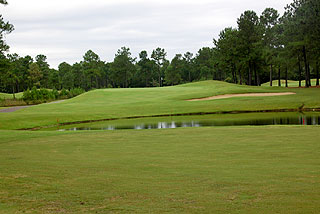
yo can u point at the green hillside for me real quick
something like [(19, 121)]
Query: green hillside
[(291, 83), (10, 96), (116, 103)]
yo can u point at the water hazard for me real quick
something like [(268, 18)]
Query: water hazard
[(201, 121)]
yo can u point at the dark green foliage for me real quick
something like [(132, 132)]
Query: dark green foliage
[(173, 72), (260, 49), (270, 46), (122, 68), (159, 57), (35, 95), (75, 92), (64, 93)]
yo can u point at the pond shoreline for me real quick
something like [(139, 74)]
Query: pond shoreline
[(301, 110)]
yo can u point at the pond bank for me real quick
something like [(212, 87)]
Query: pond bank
[(316, 110)]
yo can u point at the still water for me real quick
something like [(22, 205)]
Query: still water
[(202, 121)]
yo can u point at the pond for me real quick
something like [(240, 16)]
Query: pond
[(248, 119)]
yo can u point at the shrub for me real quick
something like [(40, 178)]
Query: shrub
[(26, 95), (76, 91), (55, 94), (35, 95), (63, 94)]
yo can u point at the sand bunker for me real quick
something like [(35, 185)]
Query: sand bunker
[(243, 95)]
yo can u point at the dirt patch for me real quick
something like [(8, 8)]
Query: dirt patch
[(242, 95)]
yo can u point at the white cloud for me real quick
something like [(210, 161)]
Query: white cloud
[(64, 30)]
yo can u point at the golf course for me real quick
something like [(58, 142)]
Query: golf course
[(219, 169), (159, 107)]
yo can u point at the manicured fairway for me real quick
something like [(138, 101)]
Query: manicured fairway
[(187, 170), (265, 169), (115, 103)]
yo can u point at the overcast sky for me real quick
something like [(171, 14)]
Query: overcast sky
[(64, 30)]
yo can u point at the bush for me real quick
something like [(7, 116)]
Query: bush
[(55, 94), (64, 93), (76, 91), (26, 95), (35, 95)]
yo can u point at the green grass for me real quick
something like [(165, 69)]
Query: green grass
[(268, 169), (187, 170), (291, 83), (115, 103), (10, 96)]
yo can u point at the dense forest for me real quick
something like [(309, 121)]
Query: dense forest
[(261, 49)]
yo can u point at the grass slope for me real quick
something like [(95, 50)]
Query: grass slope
[(186, 170), (10, 96), (115, 103), (291, 83)]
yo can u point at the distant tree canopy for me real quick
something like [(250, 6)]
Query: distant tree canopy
[(261, 48)]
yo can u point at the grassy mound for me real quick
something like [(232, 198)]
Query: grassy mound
[(116, 103), (10, 96), (291, 83)]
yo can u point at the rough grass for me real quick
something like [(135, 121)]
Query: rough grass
[(12, 102), (186, 170), (115, 103)]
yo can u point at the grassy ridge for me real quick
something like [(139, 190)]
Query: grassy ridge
[(10, 96), (187, 170), (291, 83), (115, 103)]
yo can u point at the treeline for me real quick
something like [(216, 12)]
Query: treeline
[(260, 49), (272, 47), (22, 73)]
